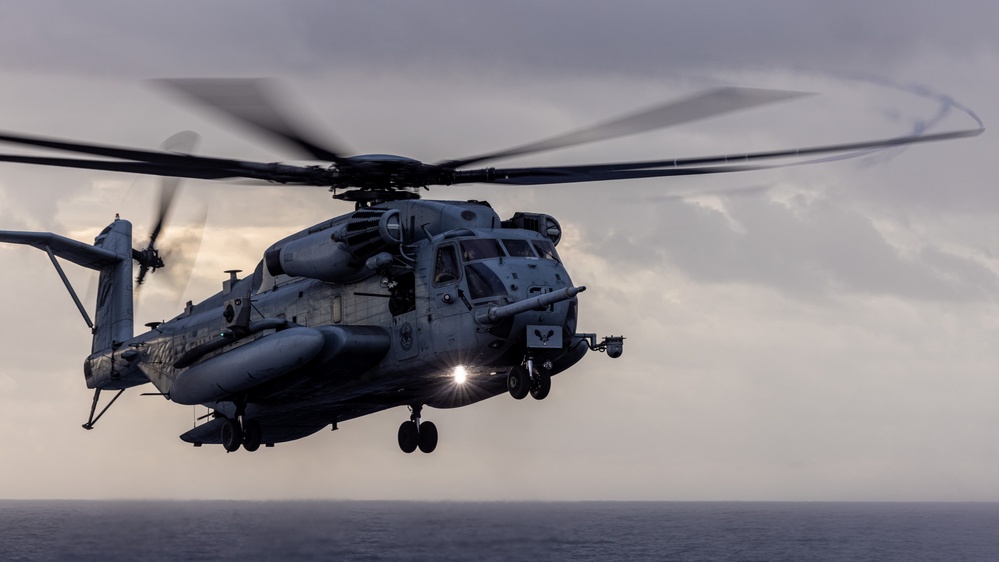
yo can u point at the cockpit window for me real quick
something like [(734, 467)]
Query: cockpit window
[(480, 249), (483, 282), (519, 248), (546, 249), (446, 266)]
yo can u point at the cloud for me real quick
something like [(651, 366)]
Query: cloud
[(814, 336), (820, 249), (637, 38)]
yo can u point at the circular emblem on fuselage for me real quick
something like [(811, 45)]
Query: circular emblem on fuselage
[(406, 336)]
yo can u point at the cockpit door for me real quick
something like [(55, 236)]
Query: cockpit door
[(448, 304)]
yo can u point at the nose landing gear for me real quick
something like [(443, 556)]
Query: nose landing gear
[(541, 385), (518, 382), (524, 380)]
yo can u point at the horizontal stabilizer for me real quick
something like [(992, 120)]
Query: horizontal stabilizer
[(79, 253)]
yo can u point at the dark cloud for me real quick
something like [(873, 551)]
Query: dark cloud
[(641, 38)]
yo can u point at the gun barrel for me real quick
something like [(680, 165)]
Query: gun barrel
[(497, 313)]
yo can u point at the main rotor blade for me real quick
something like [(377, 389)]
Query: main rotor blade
[(792, 153), (126, 167), (550, 176), (151, 156), (680, 167), (251, 102), (165, 163), (708, 104)]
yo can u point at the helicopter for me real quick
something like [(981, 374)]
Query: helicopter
[(404, 302)]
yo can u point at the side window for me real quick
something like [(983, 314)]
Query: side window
[(403, 291), (337, 309), (546, 249), (446, 266)]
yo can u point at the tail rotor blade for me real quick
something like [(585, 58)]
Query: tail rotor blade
[(149, 259), (182, 254), (183, 142)]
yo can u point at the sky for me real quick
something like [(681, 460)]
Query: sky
[(821, 332)]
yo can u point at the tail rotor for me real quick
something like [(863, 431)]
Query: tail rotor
[(149, 258)]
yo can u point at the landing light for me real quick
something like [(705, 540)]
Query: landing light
[(460, 374)]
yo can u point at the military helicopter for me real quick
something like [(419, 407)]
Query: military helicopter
[(403, 302)]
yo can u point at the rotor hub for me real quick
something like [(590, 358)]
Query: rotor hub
[(365, 197)]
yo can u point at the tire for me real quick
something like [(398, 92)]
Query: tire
[(428, 437), (252, 435), (518, 383), (409, 437), (232, 435), (542, 386)]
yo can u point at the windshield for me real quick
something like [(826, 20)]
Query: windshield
[(480, 249), (519, 248), (483, 282)]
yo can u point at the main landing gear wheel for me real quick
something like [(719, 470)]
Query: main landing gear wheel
[(252, 435), (413, 434), (541, 385), (428, 437), (232, 435), (518, 382), (409, 437)]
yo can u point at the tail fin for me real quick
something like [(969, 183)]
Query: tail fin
[(113, 317), (111, 254)]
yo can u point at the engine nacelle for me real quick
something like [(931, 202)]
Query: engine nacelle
[(546, 225), (339, 254)]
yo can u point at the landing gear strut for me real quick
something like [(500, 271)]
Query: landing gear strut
[(93, 408), (414, 434)]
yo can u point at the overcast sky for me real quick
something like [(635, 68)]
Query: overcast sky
[(812, 333)]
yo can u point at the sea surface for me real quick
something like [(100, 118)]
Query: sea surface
[(351, 530)]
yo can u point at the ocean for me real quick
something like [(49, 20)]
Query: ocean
[(374, 531)]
